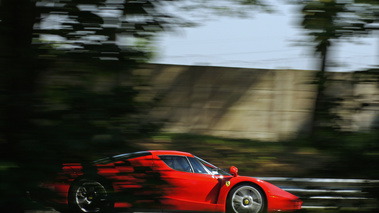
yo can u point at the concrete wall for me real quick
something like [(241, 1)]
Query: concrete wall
[(244, 103)]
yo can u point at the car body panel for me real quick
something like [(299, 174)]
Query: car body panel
[(277, 199), (190, 191), (178, 190)]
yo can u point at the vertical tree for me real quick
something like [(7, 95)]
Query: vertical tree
[(326, 21), (66, 87)]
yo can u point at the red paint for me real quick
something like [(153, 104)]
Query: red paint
[(182, 190), (234, 171)]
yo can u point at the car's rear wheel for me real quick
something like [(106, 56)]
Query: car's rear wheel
[(88, 195), (246, 198)]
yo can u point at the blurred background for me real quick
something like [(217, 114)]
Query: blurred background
[(83, 79)]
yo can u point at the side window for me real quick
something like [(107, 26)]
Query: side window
[(179, 163), (197, 166)]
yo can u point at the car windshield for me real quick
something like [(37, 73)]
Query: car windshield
[(212, 168)]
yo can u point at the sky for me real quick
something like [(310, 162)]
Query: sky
[(264, 40)]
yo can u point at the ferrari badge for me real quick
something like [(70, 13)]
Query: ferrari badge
[(227, 183)]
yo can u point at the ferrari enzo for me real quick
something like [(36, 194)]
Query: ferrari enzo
[(166, 180)]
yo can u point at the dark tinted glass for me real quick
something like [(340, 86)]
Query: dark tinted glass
[(197, 166), (178, 163)]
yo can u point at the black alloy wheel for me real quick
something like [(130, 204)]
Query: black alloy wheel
[(89, 196)]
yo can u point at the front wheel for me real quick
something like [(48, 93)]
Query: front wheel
[(89, 196), (246, 199)]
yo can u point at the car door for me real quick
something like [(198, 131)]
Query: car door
[(193, 187)]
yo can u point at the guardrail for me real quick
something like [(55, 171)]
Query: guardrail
[(353, 195)]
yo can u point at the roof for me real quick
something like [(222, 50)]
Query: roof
[(169, 152)]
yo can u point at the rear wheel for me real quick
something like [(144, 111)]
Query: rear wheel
[(89, 196), (246, 199)]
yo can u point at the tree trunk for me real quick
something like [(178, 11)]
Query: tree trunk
[(17, 83), (319, 108), (18, 70)]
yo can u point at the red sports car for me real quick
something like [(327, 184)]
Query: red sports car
[(166, 180)]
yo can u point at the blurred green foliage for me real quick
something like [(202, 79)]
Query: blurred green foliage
[(67, 90)]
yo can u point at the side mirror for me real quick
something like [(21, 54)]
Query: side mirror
[(234, 171)]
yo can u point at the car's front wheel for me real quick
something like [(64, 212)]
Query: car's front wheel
[(89, 196), (246, 199)]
